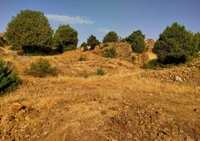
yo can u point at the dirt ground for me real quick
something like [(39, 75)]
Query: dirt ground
[(127, 103)]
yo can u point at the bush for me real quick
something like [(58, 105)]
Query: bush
[(153, 64), (175, 45), (100, 72), (65, 38), (92, 42), (136, 39), (110, 37), (133, 58), (41, 68), (196, 55), (81, 59), (107, 55), (1, 43), (8, 79), (105, 45), (15, 47), (86, 75), (29, 29)]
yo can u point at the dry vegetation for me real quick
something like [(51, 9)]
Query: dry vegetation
[(123, 104)]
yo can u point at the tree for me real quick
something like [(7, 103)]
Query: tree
[(197, 39), (175, 45), (65, 38), (92, 42), (84, 45), (1, 43), (136, 39), (110, 37), (31, 30), (8, 80)]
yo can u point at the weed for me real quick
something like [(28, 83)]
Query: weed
[(86, 75), (81, 59), (100, 72)]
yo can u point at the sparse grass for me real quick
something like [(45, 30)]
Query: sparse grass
[(81, 59), (86, 75)]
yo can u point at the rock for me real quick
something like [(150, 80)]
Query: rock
[(178, 79), (16, 107)]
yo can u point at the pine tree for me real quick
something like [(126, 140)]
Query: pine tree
[(110, 37), (92, 42)]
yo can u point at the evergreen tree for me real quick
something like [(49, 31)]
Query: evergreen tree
[(136, 39), (31, 30), (66, 38), (110, 37), (175, 45), (84, 45), (8, 80), (92, 42)]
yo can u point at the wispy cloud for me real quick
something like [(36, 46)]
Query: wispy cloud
[(103, 30), (69, 20)]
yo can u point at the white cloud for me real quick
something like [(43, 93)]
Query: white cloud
[(69, 20), (103, 30)]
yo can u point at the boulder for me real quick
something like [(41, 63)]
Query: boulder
[(178, 79)]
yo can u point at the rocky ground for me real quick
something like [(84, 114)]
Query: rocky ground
[(127, 103)]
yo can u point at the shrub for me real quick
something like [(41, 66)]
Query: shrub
[(196, 55), (41, 68), (15, 47), (107, 55), (1, 43), (81, 59), (133, 58), (175, 45), (105, 45), (65, 38), (86, 75), (153, 64), (8, 79), (136, 39), (110, 37), (31, 30), (92, 42), (100, 72)]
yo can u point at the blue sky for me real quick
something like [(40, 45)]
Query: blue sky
[(97, 17)]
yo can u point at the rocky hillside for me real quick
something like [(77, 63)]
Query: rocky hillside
[(126, 103)]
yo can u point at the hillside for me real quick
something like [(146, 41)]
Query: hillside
[(127, 103)]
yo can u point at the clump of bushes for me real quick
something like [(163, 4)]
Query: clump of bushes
[(41, 68), (8, 79), (100, 71), (110, 53), (107, 55)]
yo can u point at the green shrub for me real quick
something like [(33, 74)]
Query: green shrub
[(100, 72), (133, 58), (86, 75), (105, 45), (1, 43), (107, 55), (8, 79), (81, 59), (15, 47), (153, 64), (175, 45), (41, 68)]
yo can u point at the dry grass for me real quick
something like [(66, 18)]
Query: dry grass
[(70, 106)]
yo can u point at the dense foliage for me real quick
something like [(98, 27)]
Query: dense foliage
[(175, 45), (66, 38), (41, 68), (110, 37), (136, 39), (92, 42), (84, 45), (8, 80), (31, 30)]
